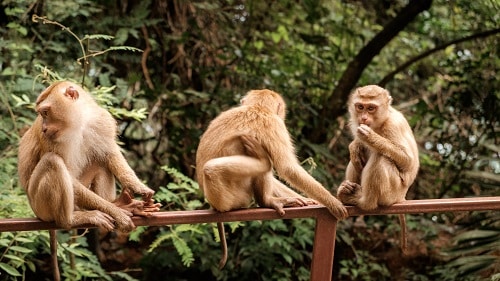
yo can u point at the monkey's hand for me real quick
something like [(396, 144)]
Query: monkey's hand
[(136, 207), (147, 198), (364, 131), (337, 209)]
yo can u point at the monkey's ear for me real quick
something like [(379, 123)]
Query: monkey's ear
[(72, 93), (390, 99)]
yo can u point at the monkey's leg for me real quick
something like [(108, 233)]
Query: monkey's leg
[(103, 183), (265, 194), (281, 190), (374, 182), (89, 200), (395, 190), (227, 180), (52, 182), (352, 174)]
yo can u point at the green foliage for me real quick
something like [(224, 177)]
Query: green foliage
[(180, 244), (199, 59), (178, 194), (363, 267), (256, 244), (182, 193), (21, 249), (18, 252), (474, 252)]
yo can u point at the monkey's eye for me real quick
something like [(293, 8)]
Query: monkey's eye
[(372, 108), (359, 107), (44, 113)]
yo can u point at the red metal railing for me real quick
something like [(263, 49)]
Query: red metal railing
[(324, 240)]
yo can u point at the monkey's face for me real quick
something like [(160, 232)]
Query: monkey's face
[(369, 106), (366, 113), (50, 123), (57, 107), (55, 118)]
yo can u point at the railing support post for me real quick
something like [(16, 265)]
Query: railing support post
[(323, 248), (53, 253)]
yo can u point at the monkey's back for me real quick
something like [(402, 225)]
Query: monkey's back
[(222, 137)]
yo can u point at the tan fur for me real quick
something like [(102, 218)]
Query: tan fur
[(68, 161), (231, 176), (238, 152), (383, 155)]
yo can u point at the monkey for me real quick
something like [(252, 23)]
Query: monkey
[(68, 161), (238, 153), (384, 158)]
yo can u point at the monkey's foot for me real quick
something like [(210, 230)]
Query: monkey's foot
[(123, 222), (348, 192), (95, 217), (136, 207), (279, 203)]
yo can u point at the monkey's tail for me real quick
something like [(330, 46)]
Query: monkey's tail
[(53, 253), (222, 236), (404, 235)]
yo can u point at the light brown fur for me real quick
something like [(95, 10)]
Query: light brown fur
[(68, 161), (384, 158), (238, 152)]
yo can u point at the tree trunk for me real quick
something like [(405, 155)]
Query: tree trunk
[(335, 105)]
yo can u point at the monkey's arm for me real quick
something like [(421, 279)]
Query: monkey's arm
[(357, 155), (385, 146), (288, 168), (126, 176)]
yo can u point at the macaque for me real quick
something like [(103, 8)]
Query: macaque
[(383, 155), (68, 161), (238, 152)]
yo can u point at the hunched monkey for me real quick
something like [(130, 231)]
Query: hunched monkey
[(384, 158), (68, 161), (238, 152)]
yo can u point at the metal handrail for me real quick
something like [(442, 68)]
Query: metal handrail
[(324, 240)]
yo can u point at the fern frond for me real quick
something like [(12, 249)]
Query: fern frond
[(97, 36)]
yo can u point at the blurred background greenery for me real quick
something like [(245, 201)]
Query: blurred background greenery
[(439, 59)]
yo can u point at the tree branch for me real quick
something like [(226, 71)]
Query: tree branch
[(411, 61), (353, 71)]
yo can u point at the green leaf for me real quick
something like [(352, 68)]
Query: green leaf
[(477, 234), (21, 249), (9, 269)]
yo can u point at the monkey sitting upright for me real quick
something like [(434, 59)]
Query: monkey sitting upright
[(68, 161), (383, 155)]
